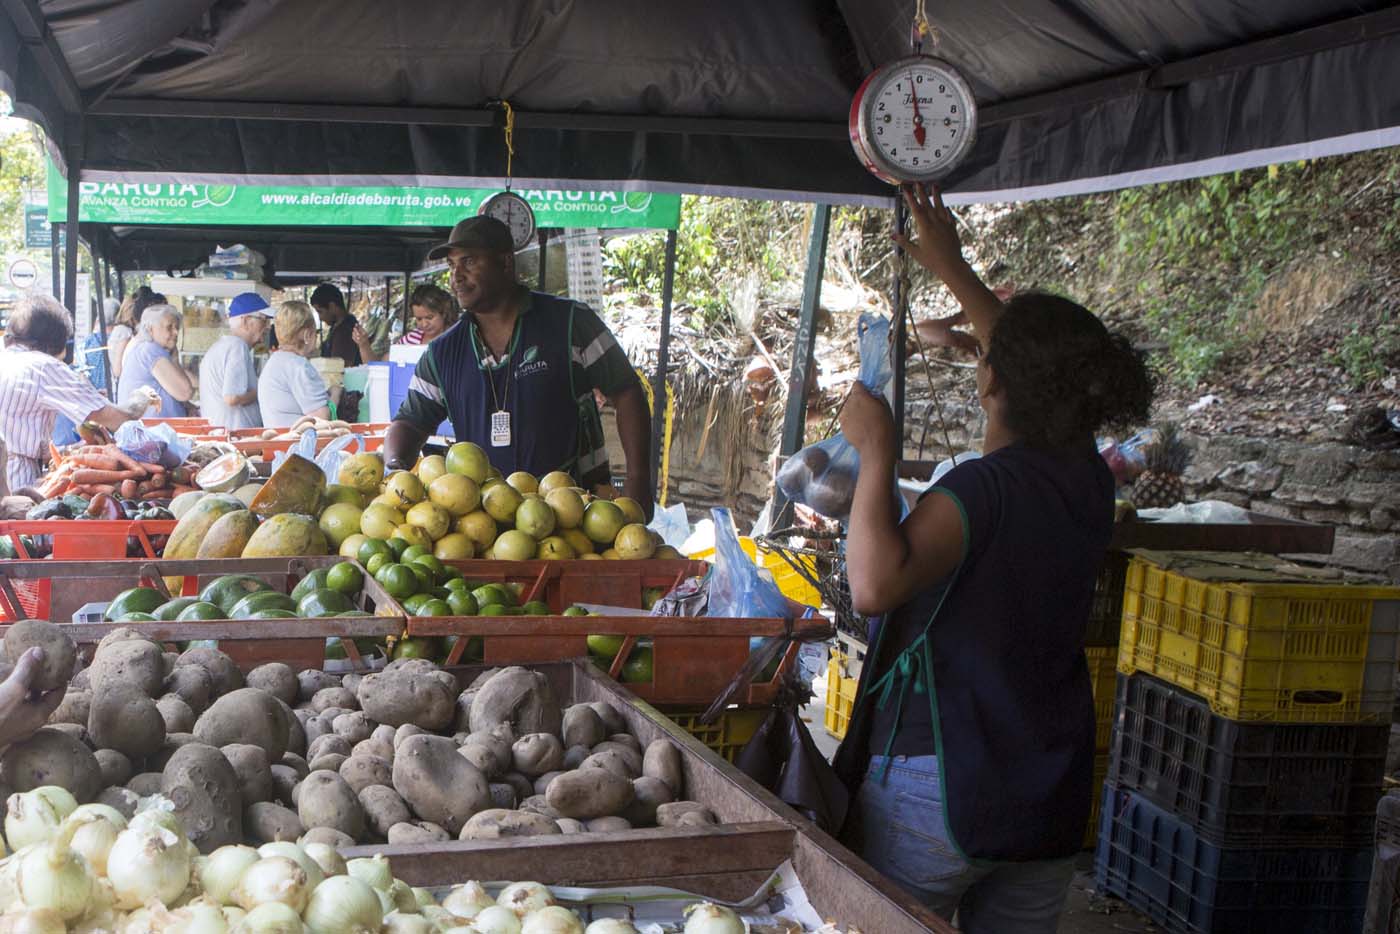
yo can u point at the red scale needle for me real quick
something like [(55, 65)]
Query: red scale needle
[(919, 132)]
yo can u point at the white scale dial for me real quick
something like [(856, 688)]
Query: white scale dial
[(913, 120), (515, 212)]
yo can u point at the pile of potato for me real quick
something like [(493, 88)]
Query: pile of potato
[(401, 755)]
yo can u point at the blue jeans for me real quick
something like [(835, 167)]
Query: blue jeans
[(897, 826)]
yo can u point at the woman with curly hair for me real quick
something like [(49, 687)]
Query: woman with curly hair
[(972, 744)]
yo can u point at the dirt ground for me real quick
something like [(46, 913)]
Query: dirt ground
[(1085, 912)]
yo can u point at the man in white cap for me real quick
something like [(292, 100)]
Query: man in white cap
[(228, 382)]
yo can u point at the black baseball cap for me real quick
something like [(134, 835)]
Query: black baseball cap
[(477, 233)]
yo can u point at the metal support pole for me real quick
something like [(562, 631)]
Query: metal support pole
[(898, 300), (803, 347), (407, 295), (74, 157), (543, 236), (663, 361), (56, 259)]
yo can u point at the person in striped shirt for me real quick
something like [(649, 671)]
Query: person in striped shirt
[(516, 375), (36, 386)]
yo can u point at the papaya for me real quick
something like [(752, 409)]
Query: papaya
[(182, 503), (247, 491), (229, 535), (287, 535), (171, 609), (224, 474), (295, 487), (225, 591), (144, 600), (256, 602), (195, 524)]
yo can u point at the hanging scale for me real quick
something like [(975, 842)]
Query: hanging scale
[(508, 207)]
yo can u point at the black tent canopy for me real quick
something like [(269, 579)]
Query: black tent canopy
[(737, 98)]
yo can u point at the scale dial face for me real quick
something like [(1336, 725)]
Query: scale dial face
[(515, 212), (913, 120)]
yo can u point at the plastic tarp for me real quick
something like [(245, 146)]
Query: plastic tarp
[(598, 89)]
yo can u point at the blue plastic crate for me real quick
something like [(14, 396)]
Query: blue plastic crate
[(1383, 906), (1247, 784), (400, 375), (1160, 865)]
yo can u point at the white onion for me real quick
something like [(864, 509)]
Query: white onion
[(396, 922), (94, 839), (298, 855), (140, 921), (707, 918), (439, 916), (34, 816), (423, 897), (404, 899), (157, 815), (343, 905), (467, 900), (497, 920), (327, 857), (555, 919), (272, 879), (32, 921), (233, 915), (220, 871), (611, 926), (149, 863), (524, 897), (374, 872), (200, 916), (270, 918), (52, 875)]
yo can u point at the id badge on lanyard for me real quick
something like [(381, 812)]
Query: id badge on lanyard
[(500, 429)]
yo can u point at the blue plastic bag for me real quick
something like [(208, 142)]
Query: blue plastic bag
[(822, 476), (737, 590)]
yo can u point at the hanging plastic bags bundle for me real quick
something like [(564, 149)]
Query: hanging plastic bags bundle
[(822, 476)]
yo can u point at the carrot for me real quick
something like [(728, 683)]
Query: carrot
[(128, 489), (90, 475), (98, 462)]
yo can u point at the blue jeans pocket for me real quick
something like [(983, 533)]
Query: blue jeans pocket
[(919, 849)]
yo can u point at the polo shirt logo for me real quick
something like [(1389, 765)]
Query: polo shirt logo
[(530, 362)]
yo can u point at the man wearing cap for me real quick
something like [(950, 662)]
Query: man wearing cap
[(345, 339), (228, 382), (516, 375)]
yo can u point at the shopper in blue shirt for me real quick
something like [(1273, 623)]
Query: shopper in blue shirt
[(972, 741)]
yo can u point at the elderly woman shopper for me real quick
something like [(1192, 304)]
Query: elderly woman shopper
[(228, 383), (150, 361), (36, 386), (290, 387)]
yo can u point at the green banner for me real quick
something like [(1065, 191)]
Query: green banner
[(317, 206)]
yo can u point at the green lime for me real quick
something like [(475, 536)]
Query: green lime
[(398, 546), (462, 604), (495, 609), (376, 562), (638, 669), (425, 577), (397, 580), (458, 584), (575, 611), (417, 647), (536, 608), (605, 647), (412, 603), (493, 593), (450, 574), (346, 578), (371, 547), (433, 565), (312, 582), (414, 551), (435, 608)]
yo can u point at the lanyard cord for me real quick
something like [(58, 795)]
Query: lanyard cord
[(489, 371)]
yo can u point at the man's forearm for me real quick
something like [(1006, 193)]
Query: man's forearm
[(402, 443), (634, 428)]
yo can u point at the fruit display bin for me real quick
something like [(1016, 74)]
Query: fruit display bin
[(298, 642), (1258, 784), (75, 539), (1157, 863), (1261, 640), (727, 862), (693, 659)]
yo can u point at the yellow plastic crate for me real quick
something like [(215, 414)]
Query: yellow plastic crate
[(1091, 833), (727, 735), (840, 694), (1286, 651), (1103, 680), (792, 584)]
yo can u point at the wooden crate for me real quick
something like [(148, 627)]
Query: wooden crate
[(298, 642), (728, 862)]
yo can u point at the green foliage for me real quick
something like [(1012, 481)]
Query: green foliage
[(19, 159), (1370, 352), (720, 240)]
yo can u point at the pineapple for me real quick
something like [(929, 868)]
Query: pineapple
[(1160, 485)]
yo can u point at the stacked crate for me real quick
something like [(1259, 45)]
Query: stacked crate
[(1251, 723), (1101, 652)]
